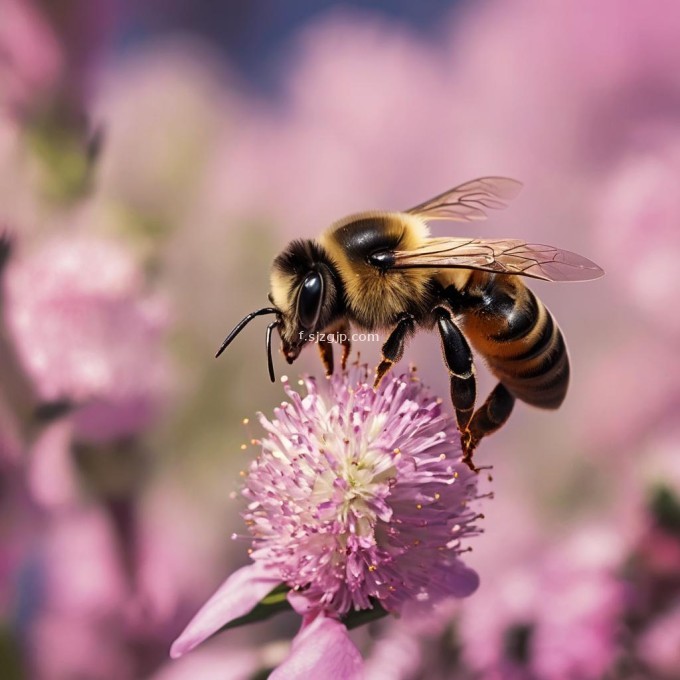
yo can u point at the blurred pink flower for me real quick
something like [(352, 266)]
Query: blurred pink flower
[(655, 564), (557, 617), (11, 443), (84, 574), (340, 144), (638, 230), (52, 474), (355, 501), (586, 76), (210, 664), (659, 644), (64, 647), (396, 655), (584, 604), (107, 585), (76, 628), (87, 332), (31, 58), (171, 98), (168, 100), (84, 29), (631, 406), (476, 101), (20, 206), (179, 553), (19, 526)]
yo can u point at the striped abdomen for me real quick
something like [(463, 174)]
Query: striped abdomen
[(524, 347)]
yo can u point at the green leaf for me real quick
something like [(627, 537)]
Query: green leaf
[(354, 619), (271, 604), (277, 602)]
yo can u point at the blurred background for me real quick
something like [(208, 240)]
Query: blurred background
[(156, 156)]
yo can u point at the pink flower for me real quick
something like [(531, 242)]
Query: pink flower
[(580, 582), (659, 644), (631, 407), (557, 617), (168, 100), (358, 499), (397, 655), (638, 228), (87, 332), (19, 525), (106, 591), (75, 626), (209, 664), (31, 58)]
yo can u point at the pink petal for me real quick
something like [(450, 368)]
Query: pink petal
[(463, 581), (299, 602), (52, 475), (235, 597), (321, 649)]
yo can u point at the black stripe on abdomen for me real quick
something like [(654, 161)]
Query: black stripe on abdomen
[(535, 365), (520, 318)]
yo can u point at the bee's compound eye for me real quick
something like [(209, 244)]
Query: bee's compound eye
[(309, 300)]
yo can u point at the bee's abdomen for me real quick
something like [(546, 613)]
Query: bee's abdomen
[(522, 344)]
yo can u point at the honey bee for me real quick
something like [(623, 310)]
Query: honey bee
[(382, 271)]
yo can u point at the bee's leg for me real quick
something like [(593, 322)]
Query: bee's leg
[(326, 352), (346, 342), (490, 415), (393, 349), (458, 357)]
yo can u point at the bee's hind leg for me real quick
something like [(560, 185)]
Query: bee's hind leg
[(490, 416), (458, 358), (393, 349)]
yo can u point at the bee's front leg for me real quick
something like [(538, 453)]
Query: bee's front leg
[(393, 349), (326, 352), (344, 332), (338, 334)]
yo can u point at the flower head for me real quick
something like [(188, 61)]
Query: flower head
[(87, 332), (358, 495), (31, 58), (359, 498), (512, 630)]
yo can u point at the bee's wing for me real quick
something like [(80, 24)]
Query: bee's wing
[(468, 201), (502, 256)]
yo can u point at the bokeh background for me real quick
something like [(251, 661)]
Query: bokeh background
[(155, 157)]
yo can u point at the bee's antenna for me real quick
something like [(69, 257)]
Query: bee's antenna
[(270, 362), (242, 324)]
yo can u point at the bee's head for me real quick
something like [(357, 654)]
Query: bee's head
[(305, 288), (306, 296)]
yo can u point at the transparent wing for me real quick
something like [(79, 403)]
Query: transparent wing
[(502, 256), (468, 201)]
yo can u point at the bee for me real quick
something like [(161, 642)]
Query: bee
[(382, 271)]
